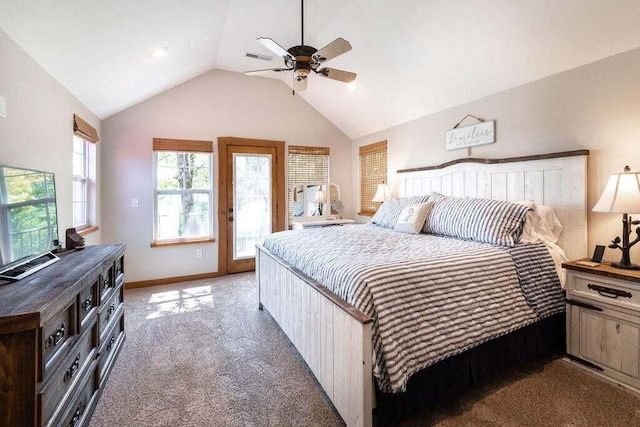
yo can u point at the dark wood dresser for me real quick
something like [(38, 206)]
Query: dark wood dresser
[(61, 330)]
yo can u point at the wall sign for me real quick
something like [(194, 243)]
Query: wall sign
[(469, 136)]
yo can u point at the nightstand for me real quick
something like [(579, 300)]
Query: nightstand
[(603, 321), (317, 223)]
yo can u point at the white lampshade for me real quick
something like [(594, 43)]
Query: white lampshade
[(622, 193), (382, 193)]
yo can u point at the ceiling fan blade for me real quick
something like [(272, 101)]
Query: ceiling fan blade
[(257, 72), (333, 49), (335, 74), (299, 83), (275, 48)]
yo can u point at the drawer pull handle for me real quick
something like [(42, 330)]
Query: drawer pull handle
[(111, 341), (609, 292), (105, 282), (86, 305), (55, 338), (584, 305), (112, 309), (77, 415), (72, 369)]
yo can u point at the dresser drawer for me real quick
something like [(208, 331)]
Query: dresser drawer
[(106, 283), (605, 290), (110, 345), (57, 336), (64, 382), (119, 270), (87, 305), (108, 310), (78, 409)]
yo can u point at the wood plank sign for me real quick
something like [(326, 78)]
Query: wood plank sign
[(469, 136)]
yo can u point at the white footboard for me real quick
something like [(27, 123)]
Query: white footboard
[(332, 337)]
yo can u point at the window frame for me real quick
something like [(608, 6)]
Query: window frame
[(88, 179), (370, 180), (182, 147)]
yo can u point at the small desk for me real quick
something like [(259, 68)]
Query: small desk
[(317, 223)]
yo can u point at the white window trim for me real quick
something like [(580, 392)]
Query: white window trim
[(156, 192), (90, 185)]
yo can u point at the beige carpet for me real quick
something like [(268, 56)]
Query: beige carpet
[(201, 354)]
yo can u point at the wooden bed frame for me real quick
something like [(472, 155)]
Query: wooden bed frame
[(334, 338)]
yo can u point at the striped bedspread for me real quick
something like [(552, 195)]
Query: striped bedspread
[(429, 297)]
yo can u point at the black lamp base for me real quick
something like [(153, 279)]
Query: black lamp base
[(625, 266)]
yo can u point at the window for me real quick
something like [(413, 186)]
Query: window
[(183, 190), (84, 174), (373, 171), (306, 165)]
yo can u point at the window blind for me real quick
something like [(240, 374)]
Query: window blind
[(84, 130), (373, 171), (182, 145), (305, 165)]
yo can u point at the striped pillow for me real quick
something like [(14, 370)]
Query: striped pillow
[(387, 215), (481, 220)]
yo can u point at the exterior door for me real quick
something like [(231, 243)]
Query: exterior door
[(250, 201)]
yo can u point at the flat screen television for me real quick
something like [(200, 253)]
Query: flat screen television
[(28, 221)]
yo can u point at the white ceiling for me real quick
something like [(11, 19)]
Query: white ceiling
[(413, 57)]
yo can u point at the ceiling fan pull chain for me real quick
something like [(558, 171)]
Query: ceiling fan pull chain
[(302, 22)]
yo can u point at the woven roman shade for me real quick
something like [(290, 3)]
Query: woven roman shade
[(182, 145), (306, 165), (373, 171), (84, 130)]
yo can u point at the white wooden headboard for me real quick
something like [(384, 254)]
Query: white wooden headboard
[(558, 180)]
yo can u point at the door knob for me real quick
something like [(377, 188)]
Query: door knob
[(231, 210)]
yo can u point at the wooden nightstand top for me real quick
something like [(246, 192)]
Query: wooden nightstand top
[(604, 269)]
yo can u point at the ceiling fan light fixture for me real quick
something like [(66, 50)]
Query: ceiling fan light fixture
[(301, 73), (353, 86)]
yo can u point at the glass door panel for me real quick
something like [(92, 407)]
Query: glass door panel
[(252, 195)]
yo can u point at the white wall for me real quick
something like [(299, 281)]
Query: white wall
[(38, 130), (596, 106), (217, 103)]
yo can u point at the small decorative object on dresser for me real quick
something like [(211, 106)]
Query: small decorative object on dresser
[(603, 321), (61, 330)]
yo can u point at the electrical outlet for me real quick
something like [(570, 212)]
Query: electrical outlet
[(198, 253), (134, 203)]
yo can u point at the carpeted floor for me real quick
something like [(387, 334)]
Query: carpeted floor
[(201, 354)]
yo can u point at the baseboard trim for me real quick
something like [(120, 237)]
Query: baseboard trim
[(169, 280)]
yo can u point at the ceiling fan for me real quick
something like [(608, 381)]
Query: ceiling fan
[(305, 59)]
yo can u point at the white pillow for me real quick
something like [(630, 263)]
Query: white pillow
[(412, 218), (541, 224)]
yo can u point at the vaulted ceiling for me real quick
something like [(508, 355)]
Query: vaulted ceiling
[(412, 57)]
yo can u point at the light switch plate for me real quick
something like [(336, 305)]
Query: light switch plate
[(3, 107)]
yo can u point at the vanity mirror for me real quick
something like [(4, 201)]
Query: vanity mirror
[(313, 200)]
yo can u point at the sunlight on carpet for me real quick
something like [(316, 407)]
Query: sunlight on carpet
[(180, 301)]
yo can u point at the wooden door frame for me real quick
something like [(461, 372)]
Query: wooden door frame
[(223, 209)]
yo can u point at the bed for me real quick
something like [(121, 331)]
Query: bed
[(352, 299)]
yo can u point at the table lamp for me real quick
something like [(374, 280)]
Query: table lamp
[(622, 195), (383, 193)]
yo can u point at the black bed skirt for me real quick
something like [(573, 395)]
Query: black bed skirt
[(452, 377)]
